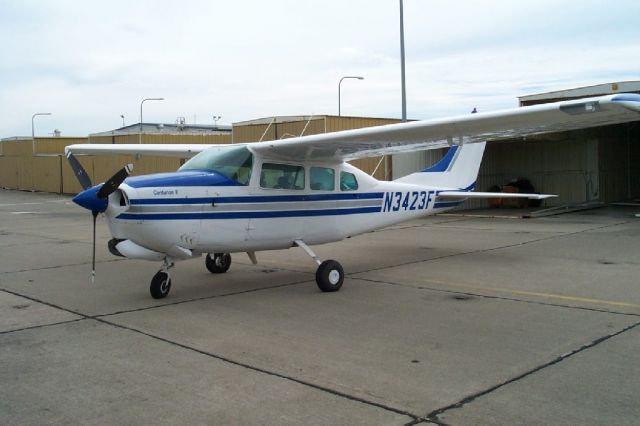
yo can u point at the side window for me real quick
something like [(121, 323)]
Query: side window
[(322, 179), (281, 176), (348, 181)]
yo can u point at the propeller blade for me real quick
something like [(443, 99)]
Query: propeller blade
[(114, 181), (93, 258), (79, 171)]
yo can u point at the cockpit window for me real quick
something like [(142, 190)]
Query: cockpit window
[(233, 162)]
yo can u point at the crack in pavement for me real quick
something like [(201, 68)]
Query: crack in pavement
[(433, 415), (101, 319)]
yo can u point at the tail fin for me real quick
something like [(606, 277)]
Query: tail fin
[(458, 168)]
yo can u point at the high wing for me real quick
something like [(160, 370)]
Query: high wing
[(480, 127), (164, 150), (419, 135)]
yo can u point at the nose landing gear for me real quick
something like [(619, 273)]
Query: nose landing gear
[(161, 281)]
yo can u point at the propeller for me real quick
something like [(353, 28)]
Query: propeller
[(95, 198)]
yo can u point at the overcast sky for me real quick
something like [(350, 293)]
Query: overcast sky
[(88, 61)]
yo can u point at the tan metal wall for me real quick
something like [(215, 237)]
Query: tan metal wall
[(49, 171), (34, 165)]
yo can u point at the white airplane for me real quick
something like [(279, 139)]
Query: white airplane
[(301, 192)]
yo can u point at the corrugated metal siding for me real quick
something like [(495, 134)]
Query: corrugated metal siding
[(253, 133), (566, 167), (55, 145), (368, 165), (619, 162), (47, 174), (17, 148), (162, 139), (8, 173)]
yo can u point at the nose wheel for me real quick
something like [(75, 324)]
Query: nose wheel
[(160, 285), (161, 281)]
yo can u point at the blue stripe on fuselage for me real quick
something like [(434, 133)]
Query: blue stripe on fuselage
[(259, 199), (248, 214)]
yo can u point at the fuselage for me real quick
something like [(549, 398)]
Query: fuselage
[(263, 205)]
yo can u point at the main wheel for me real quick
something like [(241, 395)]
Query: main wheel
[(329, 276), (219, 263), (160, 285)]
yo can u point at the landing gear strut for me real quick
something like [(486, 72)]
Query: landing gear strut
[(329, 275), (219, 263), (161, 281)]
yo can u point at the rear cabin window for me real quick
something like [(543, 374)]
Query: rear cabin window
[(348, 181), (322, 179), (282, 176)]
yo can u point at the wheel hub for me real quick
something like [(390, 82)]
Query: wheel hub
[(334, 277)]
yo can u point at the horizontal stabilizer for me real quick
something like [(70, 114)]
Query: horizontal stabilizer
[(464, 194)]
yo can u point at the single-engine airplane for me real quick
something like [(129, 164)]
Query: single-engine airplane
[(301, 191)]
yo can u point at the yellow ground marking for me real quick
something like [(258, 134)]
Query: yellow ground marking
[(543, 295)]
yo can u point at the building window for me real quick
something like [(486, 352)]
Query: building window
[(322, 179), (282, 176), (348, 181)]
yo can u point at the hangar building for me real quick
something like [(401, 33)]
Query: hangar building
[(597, 164)]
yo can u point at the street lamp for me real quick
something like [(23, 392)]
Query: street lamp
[(33, 134), (347, 76), (145, 99), (404, 89)]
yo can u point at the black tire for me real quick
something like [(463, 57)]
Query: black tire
[(219, 263), (329, 276), (160, 285)]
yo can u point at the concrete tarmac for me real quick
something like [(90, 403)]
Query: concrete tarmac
[(445, 320)]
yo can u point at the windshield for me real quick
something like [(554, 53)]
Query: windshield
[(233, 162)]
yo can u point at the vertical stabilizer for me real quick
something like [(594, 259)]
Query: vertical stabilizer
[(458, 169)]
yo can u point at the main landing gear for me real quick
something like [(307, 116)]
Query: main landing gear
[(329, 275), (219, 263)]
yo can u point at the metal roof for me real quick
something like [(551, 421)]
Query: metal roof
[(166, 128), (581, 92)]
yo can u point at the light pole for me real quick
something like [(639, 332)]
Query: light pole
[(33, 133), (347, 76), (145, 99), (404, 89)]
